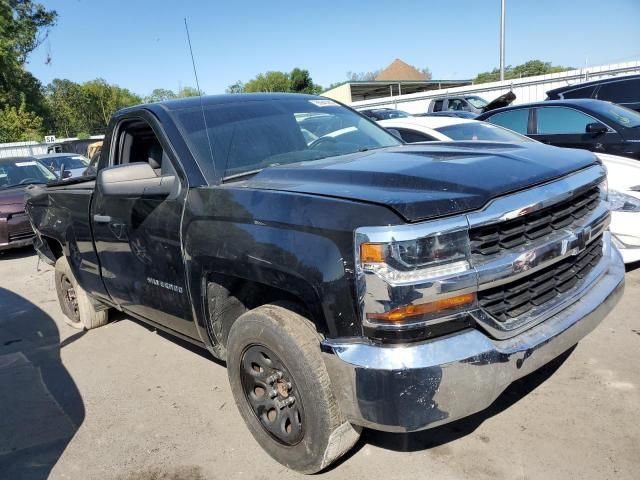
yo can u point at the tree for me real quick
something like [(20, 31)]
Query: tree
[(527, 69), (269, 82), (85, 107), (363, 76), (108, 98), (188, 92), (160, 95), (237, 87), (301, 82), (17, 124), (24, 25), (298, 81)]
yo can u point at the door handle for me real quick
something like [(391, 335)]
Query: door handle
[(102, 218)]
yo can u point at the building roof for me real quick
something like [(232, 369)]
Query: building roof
[(399, 70)]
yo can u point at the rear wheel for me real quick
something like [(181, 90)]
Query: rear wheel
[(282, 389), (78, 308)]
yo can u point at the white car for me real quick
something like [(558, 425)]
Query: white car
[(623, 173)]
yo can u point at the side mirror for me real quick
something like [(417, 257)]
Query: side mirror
[(66, 174), (596, 128), (395, 133), (135, 180)]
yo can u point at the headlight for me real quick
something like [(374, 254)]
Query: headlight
[(604, 189), (405, 281), (621, 202)]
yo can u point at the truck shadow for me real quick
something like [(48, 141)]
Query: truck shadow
[(40, 406), (17, 253), (434, 437)]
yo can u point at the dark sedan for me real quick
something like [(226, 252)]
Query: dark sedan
[(623, 90), (16, 174), (581, 123)]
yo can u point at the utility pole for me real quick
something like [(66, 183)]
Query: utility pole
[(502, 41)]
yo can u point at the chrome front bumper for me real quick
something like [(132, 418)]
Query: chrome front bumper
[(418, 386)]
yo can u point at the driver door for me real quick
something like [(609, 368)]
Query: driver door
[(137, 234)]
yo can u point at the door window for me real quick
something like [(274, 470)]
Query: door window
[(139, 143), (585, 92), (456, 104), (516, 120), (624, 91), (411, 136), (437, 105), (561, 120)]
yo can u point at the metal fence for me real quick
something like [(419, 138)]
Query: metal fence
[(529, 89), (22, 149)]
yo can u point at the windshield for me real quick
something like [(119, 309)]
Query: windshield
[(477, 102), (70, 162), (247, 136), (388, 114), (23, 171), (621, 115), (481, 131)]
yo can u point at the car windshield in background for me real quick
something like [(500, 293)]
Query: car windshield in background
[(477, 102), (17, 172), (481, 131), (70, 162), (621, 115), (247, 136), (388, 114)]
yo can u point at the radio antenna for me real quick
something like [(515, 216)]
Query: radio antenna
[(204, 117)]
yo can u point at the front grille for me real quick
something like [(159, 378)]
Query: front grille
[(492, 239), (19, 227), (516, 298)]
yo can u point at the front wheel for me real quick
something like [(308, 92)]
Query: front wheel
[(79, 310), (282, 389)]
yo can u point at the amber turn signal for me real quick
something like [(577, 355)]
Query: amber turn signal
[(372, 252), (408, 312)]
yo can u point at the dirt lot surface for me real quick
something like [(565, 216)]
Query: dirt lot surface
[(124, 402)]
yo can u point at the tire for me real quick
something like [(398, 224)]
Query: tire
[(319, 434), (79, 310)]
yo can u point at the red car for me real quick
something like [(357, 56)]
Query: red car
[(16, 174)]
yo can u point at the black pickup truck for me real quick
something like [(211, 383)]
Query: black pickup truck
[(348, 280)]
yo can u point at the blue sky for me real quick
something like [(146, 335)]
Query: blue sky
[(141, 44)]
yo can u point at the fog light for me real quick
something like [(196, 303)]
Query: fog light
[(418, 311)]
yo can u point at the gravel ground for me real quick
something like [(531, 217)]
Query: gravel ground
[(125, 402)]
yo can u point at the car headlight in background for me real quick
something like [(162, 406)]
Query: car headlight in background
[(409, 282), (621, 202)]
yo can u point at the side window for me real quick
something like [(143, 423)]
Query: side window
[(561, 120), (456, 104), (620, 92), (585, 92), (437, 105), (516, 120), (138, 143), (411, 136)]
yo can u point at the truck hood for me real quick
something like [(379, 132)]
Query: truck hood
[(427, 181)]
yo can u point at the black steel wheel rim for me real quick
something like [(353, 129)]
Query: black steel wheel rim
[(70, 298), (271, 393)]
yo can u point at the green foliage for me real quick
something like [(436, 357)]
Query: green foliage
[(528, 69), (83, 135), (237, 87), (160, 95), (24, 25), (17, 124), (298, 81), (188, 92), (85, 107)]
